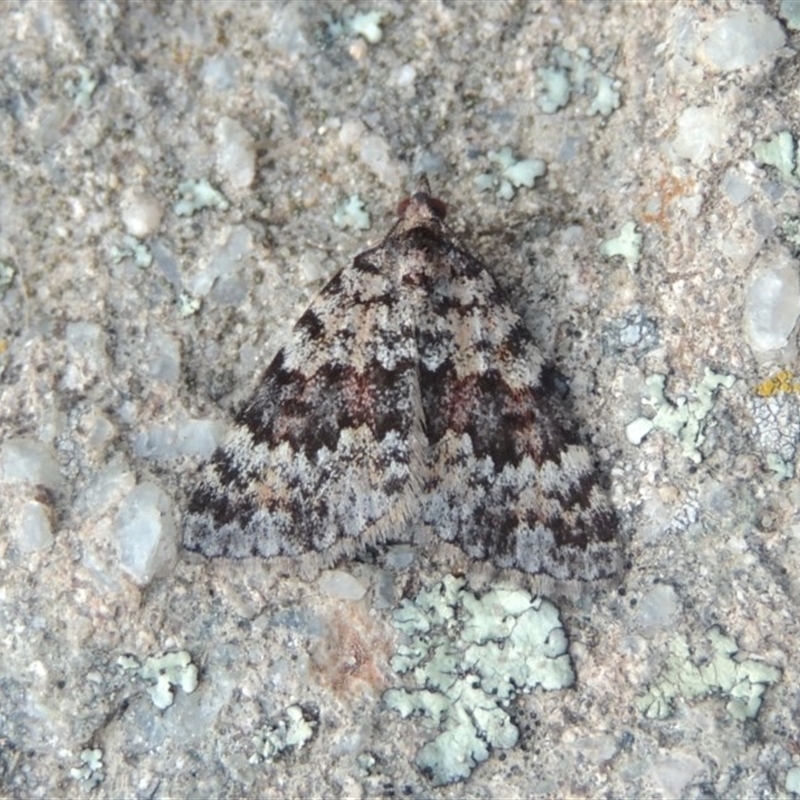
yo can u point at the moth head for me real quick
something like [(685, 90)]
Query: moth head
[(422, 205)]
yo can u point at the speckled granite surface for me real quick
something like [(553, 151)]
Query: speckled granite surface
[(177, 181)]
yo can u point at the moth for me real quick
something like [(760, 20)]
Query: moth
[(410, 395)]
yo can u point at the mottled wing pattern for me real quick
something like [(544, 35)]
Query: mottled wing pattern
[(511, 481), (411, 393), (320, 457)]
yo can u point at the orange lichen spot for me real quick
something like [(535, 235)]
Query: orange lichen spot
[(668, 189), (784, 382), (353, 655)]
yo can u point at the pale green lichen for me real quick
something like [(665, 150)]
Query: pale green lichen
[(91, 773), (467, 658), (789, 10), (366, 762), (575, 72), (791, 230), (685, 418), (778, 152), (132, 248), (606, 97), (188, 304), (82, 89), (513, 173), (163, 673), (368, 25), (290, 732), (628, 244), (792, 783), (351, 214), (198, 195), (555, 89), (742, 682), (782, 469)]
